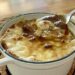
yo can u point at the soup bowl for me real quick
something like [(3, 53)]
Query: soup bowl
[(17, 66)]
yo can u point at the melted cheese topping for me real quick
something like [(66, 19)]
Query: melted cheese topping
[(25, 49)]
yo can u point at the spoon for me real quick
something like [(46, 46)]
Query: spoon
[(67, 17)]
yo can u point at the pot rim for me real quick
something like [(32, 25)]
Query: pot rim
[(33, 62)]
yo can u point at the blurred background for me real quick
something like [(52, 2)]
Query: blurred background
[(13, 7)]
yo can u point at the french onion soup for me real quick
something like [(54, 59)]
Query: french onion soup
[(39, 40)]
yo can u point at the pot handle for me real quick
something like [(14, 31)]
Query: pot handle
[(5, 60)]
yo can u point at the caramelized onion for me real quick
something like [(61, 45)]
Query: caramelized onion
[(4, 45)]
